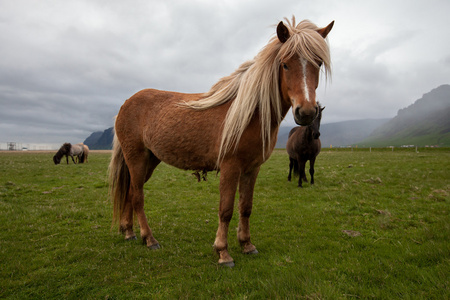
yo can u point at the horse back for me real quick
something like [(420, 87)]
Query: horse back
[(178, 135), (77, 149)]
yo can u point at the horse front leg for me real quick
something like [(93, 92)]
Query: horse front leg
[(73, 159), (291, 165), (229, 178), (246, 187), (311, 169)]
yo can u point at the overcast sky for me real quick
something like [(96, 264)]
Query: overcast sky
[(66, 67)]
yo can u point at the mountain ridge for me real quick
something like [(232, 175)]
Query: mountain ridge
[(425, 122)]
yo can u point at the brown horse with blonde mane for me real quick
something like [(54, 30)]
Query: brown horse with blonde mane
[(231, 129)]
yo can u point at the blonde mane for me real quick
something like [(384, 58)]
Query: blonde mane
[(254, 85)]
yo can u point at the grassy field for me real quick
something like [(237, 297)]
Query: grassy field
[(375, 225)]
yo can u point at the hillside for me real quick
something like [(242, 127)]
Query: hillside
[(425, 122), (100, 140)]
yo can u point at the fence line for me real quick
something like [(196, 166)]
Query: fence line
[(15, 146)]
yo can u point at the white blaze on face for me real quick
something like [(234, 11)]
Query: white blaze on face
[(305, 85)]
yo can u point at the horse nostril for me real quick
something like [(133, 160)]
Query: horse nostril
[(297, 111)]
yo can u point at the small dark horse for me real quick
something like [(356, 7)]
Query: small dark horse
[(68, 149), (303, 145)]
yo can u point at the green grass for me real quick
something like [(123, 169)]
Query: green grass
[(56, 239)]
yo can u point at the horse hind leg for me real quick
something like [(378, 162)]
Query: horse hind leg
[(126, 221), (305, 179), (302, 175), (141, 168)]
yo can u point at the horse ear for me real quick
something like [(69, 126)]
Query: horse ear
[(322, 108), (282, 32), (326, 30)]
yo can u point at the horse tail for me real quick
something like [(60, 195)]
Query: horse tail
[(85, 152), (119, 180), (82, 157)]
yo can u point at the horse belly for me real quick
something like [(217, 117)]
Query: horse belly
[(184, 155)]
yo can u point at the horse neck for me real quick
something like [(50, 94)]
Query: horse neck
[(60, 153), (309, 131), (313, 128), (284, 110)]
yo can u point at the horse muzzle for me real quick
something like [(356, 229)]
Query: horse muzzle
[(305, 117)]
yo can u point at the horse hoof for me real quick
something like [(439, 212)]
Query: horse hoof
[(154, 247), (229, 264), (252, 252), (131, 238)]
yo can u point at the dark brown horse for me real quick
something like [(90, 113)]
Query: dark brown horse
[(303, 145), (67, 149), (231, 128)]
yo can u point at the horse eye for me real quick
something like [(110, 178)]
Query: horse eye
[(285, 66), (320, 64)]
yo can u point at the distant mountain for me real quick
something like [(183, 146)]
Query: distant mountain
[(335, 134), (92, 139), (339, 133), (100, 140), (426, 122)]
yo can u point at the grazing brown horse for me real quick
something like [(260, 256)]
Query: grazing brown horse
[(303, 145), (231, 129), (67, 149)]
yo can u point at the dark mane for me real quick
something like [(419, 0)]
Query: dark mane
[(66, 147)]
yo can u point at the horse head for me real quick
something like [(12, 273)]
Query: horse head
[(56, 159), (303, 51)]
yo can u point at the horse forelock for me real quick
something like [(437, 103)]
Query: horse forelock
[(255, 84), (305, 41)]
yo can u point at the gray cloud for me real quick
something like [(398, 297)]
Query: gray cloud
[(67, 67)]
